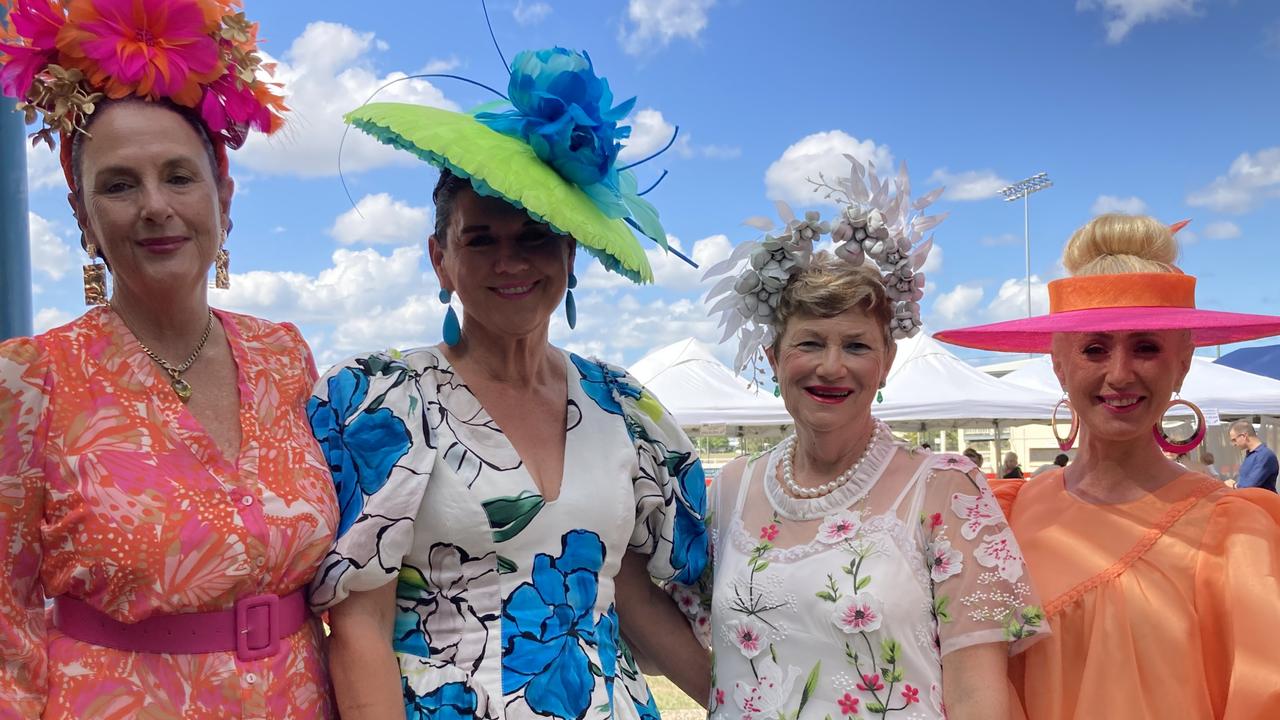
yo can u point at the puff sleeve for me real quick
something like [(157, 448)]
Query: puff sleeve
[(23, 425), (669, 485), (981, 588), (1237, 594), (374, 429)]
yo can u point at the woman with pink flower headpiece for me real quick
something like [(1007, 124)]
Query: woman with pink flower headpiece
[(851, 576), (159, 484)]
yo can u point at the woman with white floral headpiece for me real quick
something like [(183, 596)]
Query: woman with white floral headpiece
[(852, 576)]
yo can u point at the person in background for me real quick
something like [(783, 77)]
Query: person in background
[(1058, 462), (1209, 468), (974, 456), (1011, 470), (1259, 467)]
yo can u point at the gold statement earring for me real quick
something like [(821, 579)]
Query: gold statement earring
[(222, 270), (95, 278)]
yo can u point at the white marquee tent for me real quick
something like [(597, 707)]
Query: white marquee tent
[(1215, 388), (929, 387), (700, 390)]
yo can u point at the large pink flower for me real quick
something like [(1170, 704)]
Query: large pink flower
[(858, 613), (944, 561), (32, 44), (150, 48), (839, 527), (748, 635)]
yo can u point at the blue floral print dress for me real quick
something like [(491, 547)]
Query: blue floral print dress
[(504, 600)]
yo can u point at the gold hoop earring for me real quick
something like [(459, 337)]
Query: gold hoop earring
[(95, 278), (1177, 447), (1070, 441)]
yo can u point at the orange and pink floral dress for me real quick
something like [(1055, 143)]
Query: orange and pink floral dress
[(112, 492)]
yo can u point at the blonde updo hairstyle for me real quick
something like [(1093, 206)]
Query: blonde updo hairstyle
[(1113, 243), (829, 287)]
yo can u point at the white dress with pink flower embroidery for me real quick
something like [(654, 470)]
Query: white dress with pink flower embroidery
[(844, 605)]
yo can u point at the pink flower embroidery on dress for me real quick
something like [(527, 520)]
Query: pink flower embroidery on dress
[(748, 635), (1000, 551), (858, 613), (911, 694), (871, 683), (769, 532), (956, 462), (848, 704), (935, 521), (977, 511), (944, 561), (839, 527)]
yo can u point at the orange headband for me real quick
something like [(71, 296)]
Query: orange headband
[(1087, 292)]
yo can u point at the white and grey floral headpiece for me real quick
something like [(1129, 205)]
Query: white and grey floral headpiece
[(877, 222)]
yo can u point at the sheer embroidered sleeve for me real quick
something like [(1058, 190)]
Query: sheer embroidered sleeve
[(981, 588)]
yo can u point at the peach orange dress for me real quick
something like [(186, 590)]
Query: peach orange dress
[(1165, 607)]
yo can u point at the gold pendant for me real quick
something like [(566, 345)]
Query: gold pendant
[(181, 388)]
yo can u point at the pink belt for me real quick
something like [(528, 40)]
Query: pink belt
[(253, 628)]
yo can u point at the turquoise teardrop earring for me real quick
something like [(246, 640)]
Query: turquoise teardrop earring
[(570, 307), (452, 328)]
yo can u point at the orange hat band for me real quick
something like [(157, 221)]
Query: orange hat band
[(1088, 292)]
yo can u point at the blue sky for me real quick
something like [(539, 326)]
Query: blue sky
[(1161, 106)]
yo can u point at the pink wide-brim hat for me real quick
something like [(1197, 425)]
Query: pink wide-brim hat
[(1123, 302)]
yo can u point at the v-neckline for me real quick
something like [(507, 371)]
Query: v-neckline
[(531, 484), (186, 426)]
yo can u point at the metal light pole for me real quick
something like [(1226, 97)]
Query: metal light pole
[(1023, 189)]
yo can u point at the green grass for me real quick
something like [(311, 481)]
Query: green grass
[(673, 703)]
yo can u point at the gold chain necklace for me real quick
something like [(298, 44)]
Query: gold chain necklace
[(181, 387)]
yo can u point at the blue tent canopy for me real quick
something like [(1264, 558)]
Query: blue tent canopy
[(1264, 360)]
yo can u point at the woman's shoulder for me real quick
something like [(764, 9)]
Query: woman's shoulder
[(260, 331), (1253, 506)]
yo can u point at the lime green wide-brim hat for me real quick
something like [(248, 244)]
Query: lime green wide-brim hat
[(505, 167)]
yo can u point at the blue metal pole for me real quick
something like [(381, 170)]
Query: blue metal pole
[(15, 248)]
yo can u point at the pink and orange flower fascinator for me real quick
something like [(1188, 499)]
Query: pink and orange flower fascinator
[(1122, 302), (61, 58)]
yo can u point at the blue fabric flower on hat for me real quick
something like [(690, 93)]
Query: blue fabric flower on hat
[(564, 111), (549, 626), (360, 447)]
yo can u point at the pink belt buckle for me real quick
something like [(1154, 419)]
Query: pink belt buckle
[(257, 627)]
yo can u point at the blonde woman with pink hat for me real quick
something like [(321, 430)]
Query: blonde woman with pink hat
[(1158, 581)]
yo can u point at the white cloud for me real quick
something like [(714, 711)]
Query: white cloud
[(48, 318), (381, 219), (1131, 205), (819, 153), (669, 271), (956, 304), (623, 330), (1124, 15), (933, 263), (969, 185), (650, 131), (1010, 301), (364, 301), (530, 13), (43, 169), (326, 73), (50, 254), (1222, 230), (653, 24), (1250, 178)]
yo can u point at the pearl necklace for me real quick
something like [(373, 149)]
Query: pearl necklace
[(797, 490)]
